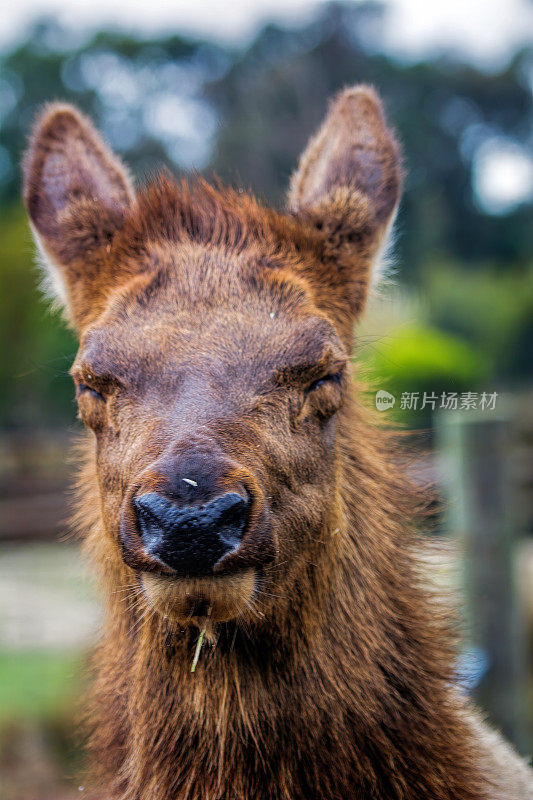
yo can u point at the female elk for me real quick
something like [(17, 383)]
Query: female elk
[(234, 484)]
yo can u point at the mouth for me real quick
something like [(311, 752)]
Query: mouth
[(191, 601)]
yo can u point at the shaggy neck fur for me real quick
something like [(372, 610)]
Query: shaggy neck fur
[(343, 692)]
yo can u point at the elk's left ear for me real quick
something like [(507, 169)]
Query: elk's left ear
[(347, 186), (76, 193)]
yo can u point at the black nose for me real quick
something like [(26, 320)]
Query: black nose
[(191, 539)]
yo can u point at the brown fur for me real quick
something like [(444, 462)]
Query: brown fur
[(205, 322)]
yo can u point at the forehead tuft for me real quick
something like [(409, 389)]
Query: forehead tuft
[(169, 211), (189, 243)]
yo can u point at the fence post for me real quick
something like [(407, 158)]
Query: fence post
[(476, 461)]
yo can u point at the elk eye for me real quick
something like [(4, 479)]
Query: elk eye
[(84, 388), (334, 378)]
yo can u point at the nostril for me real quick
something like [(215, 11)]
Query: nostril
[(191, 539), (151, 512), (151, 505), (228, 514)]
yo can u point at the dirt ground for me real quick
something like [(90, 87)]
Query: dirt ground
[(46, 598)]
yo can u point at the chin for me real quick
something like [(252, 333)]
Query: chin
[(191, 601)]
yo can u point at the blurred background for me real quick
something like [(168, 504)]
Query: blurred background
[(237, 89)]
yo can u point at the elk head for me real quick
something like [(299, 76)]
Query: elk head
[(215, 339)]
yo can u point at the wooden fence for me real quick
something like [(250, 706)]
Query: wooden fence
[(487, 467)]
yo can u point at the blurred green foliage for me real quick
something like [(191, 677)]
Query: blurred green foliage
[(35, 388), (418, 359), (492, 308), (247, 114), (36, 684), (40, 744)]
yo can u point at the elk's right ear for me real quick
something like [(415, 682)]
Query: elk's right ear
[(76, 193), (347, 186)]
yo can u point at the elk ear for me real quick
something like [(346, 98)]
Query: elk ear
[(347, 186), (76, 193)]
